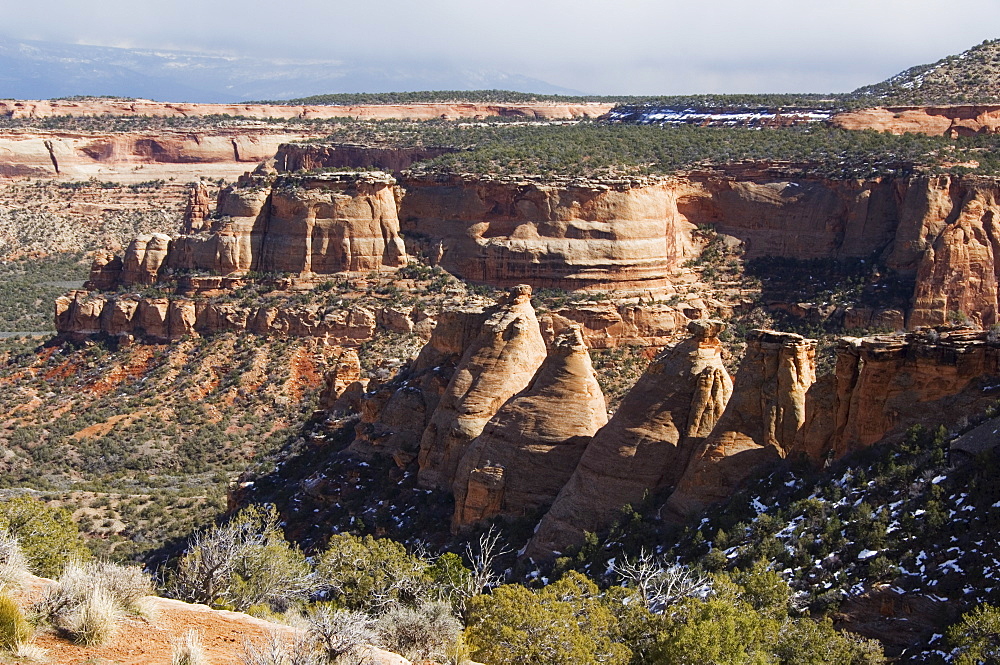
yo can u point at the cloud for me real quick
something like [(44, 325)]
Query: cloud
[(630, 46)]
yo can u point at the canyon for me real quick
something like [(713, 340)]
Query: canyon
[(634, 238)]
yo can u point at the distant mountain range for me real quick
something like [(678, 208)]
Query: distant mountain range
[(46, 70)]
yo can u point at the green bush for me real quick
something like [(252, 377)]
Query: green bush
[(371, 574), (565, 622), (976, 638), (48, 536)]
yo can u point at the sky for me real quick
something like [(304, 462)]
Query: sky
[(645, 47)]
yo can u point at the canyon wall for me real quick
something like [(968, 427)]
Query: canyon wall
[(431, 111), (956, 120), (778, 410), (81, 314), (293, 157), (322, 224), (139, 155)]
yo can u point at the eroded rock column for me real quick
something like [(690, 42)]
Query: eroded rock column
[(646, 445)]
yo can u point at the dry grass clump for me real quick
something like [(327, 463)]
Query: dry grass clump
[(15, 631), (188, 650), (427, 632), (275, 650), (90, 598), (93, 621), (13, 565)]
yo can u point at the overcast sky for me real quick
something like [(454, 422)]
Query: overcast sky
[(597, 47)]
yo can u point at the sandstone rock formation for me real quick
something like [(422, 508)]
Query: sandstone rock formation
[(345, 373), (763, 422), (324, 223), (293, 157), (958, 120), (607, 325), (647, 444), (571, 235), (82, 313), (144, 258), (141, 155), (624, 235), (881, 387), (197, 209), (529, 449), (497, 365), (394, 417), (958, 272), (430, 111), (887, 383)]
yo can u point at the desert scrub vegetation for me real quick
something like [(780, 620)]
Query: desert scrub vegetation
[(89, 599), (618, 369), (28, 287), (46, 537)]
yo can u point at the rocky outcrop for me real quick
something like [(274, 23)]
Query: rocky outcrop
[(145, 256), (497, 365), (343, 375), (394, 416), (763, 422), (529, 449), (957, 275), (319, 224), (81, 313), (432, 111), (607, 325), (882, 386), (197, 209), (958, 120), (646, 445), (293, 157), (614, 235), (140, 154), (573, 235), (887, 383)]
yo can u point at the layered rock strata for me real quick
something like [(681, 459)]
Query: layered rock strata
[(395, 415), (138, 155), (763, 422), (958, 120), (647, 444), (418, 111), (574, 235), (497, 365), (82, 313), (320, 224), (529, 449), (882, 385), (293, 157), (617, 235)]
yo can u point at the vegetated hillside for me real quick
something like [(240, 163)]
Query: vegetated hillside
[(972, 76), (586, 148), (590, 149), (892, 542)]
